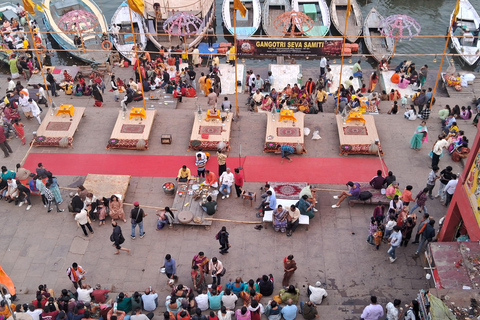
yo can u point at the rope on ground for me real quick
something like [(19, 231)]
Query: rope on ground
[(149, 207), (26, 155), (329, 190), (234, 221), (381, 162)]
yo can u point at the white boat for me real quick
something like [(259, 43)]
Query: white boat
[(462, 39), (271, 10), (65, 19), (318, 11), (246, 26), (378, 45), (122, 33), (338, 9), (157, 11)]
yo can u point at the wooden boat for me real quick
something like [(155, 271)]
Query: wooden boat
[(318, 11), (462, 39), (271, 10), (157, 11), (65, 19), (338, 9), (246, 26), (122, 33), (9, 11), (378, 45)]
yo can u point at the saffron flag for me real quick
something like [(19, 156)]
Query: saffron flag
[(349, 9), (137, 5), (4, 278), (29, 6), (39, 8), (455, 12), (238, 5)]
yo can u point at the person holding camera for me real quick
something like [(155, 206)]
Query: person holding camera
[(217, 269)]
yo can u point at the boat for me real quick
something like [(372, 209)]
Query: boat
[(271, 10), (377, 44), (462, 39), (338, 9), (157, 11), (67, 19), (9, 11), (246, 26), (318, 12), (122, 35)]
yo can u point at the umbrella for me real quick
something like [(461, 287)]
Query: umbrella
[(182, 24), (400, 26)]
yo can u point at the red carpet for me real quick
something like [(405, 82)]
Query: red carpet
[(255, 169)]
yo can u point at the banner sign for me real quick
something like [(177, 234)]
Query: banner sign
[(289, 46)]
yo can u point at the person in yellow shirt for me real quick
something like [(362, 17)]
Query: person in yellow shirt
[(184, 174), (321, 98), (232, 56)]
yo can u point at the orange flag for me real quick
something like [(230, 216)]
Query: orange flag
[(4, 278), (137, 5), (455, 12), (349, 9), (238, 5), (29, 6)]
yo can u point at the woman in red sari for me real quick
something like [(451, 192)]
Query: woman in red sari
[(289, 267), (20, 130)]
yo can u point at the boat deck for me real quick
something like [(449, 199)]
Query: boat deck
[(314, 11), (273, 12), (243, 22)]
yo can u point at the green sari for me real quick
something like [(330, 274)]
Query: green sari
[(420, 136)]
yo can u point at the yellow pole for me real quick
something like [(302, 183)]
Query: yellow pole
[(341, 66), (38, 57), (136, 57), (236, 58), (394, 46), (443, 58)]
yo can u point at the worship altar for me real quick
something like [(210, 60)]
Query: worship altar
[(209, 130), (358, 135), (132, 130), (284, 130), (57, 129)]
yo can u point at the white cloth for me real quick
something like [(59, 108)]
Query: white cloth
[(35, 109), (392, 312), (149, 301), (229, 301), (202, 301), (227, 178), (81, 217), (84, 294), (317, 294)]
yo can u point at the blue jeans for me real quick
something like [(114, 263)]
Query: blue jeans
[(285, 154), (421, 244), (417, 206), (224, 186), (391, 251), (140, 225)]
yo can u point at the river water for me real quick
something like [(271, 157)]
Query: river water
[(433, 16)]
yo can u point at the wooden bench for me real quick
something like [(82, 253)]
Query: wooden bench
[(374, 200), (186, 202), (268, 217)]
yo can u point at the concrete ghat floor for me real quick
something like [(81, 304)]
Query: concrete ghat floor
[(37, 247)]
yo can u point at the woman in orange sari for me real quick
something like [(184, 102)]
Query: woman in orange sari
[(373, 81), (208, 85), (116, 209), (19, 129)]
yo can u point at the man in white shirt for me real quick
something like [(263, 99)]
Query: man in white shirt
[(84, 293), (23, 98), (251, 80), (393, 309), (133, 84), (34, 313), (450, 189), (202, 300), (11, 85), (323, 65), (158, 81), (316, 294), (35, 110), (229, 299), (373, 311), (42, 95), (150, 300), (226, 181), (438, 150)]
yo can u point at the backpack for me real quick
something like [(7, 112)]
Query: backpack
[(365, 195)]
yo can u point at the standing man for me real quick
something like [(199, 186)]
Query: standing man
[(438, 150), (76, 273), (432, 178), (395, 241), (428, 235), (83, 221), (117, 238), (222, 162), (136, 215), (222, 236), (170, 267), (51, 198), (393, 310), (52, 82), (4, 144), (323, 65), (238, 182), (268, 82), (373, 311), (200, 162), (321, 98), (310, 86), (212, 98), (150, 300), (450, 189), (445, 177), (226, 182), (191, 75), (259, 83)]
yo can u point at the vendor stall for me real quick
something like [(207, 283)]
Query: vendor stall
[(285, 128), (209, 129), (132, 129), (358, 134), (58, 127)]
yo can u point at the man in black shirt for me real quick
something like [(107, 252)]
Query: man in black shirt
[(52, 82), (191, 78), (445, 176), (23, 195), (265, 285), (378, 180)]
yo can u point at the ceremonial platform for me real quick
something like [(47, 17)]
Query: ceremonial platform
[(284, 128), (58, 127), (132, 130), (358, 135), (209, 130)]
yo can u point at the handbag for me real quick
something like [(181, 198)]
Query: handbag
[(223, 272)]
